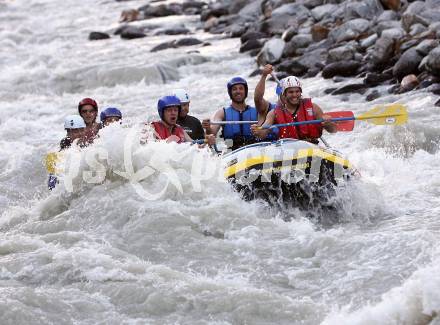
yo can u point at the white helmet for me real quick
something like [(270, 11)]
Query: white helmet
[(74, 122), (182, 95), (290, 82)]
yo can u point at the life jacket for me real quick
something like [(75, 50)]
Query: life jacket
[(163, 133), (310, 132), (240, 133)]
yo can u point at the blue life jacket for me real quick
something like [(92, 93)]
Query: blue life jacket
[(231, 131), (273, 134)]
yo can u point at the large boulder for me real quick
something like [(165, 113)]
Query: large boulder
[(271, 51), (433, 62), (407, 64), (323, 11), (297, 42), (344, 69), (383, 51), (367, 9), (350, 30), (342, 53)]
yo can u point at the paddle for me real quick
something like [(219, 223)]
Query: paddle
[(394, 114), (342, 126)]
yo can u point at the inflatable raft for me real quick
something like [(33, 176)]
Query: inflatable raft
[(290, 172)]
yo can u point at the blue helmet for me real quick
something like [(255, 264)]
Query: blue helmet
[(237, 81), (110, 112), (167, 101)]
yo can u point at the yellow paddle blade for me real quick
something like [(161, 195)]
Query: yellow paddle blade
[(51, 161), (394, 114)]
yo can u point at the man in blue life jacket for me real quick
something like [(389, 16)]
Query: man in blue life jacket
[(240, 134), (262, 105), (110, 115)]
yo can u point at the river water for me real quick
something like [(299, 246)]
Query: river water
[(180, 247)]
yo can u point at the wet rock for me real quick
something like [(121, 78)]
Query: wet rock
[(393, 33), (321, 12), (391, 4), (237, 30), (188, 41), (271, 51), (437, 103), (289, 33), (407, 64), (433, 62), (132, 32), (319, 32), (164, 46), (193, 7), (130, 15), (173, 31), (297, 42), (410, 19), (367, 9), (384, 25), (293, 67), (252, 35), (237, 5), (369, 41), (383, 51), (341, 53), (343, 68), (210, 23), (350, 30), (251, 44), (96, 36), (251, 11), (417, 29), (374, 79), (216, 10), (374, 94), (427, 46), (408, 83), (408, 44), (387, 15), (359, 88), (162, 10), (434, 88)]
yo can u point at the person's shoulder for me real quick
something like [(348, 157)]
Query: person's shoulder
[(193, 118)]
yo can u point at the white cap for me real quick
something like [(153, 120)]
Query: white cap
[(182, 95), (290, 82), (74, 122)]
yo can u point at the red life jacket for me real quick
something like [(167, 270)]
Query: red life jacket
[(304, 113), (163, 133)]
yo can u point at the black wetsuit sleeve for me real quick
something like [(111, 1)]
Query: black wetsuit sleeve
[(65, 143), (199, 132)]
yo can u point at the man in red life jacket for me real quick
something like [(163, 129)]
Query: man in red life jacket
[(88, 110), (167, 128), (295, 109)]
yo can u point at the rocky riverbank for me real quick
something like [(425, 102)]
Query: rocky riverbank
[(375, 42)]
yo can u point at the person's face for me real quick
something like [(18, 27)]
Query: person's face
[(292, 96), (238, 93), (185, 109), (74, 134), (170, 115), (88, 113), (111, 119)]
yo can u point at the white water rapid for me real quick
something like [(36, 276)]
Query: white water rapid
[(175, 249)]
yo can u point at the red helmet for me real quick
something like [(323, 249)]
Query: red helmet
[(87, 101)]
